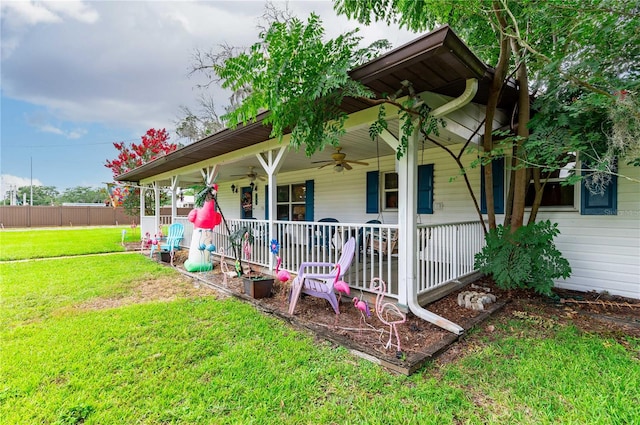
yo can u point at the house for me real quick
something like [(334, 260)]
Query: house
[(425, 230)]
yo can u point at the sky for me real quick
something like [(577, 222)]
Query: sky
[(77, 76)]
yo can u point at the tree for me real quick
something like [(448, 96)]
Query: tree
[(83, 194), (300, 79), (589, 48), (42, 195), (194, 126), (154, 144)]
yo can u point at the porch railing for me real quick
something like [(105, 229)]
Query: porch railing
[(445, 251)]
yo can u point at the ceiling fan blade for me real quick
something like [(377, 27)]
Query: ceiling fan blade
[(325, 165), (357, 162), (321, 162), (346, 166), (261, 178)]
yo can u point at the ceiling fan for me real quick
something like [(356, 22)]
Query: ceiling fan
[(251, 175), (338, 161)]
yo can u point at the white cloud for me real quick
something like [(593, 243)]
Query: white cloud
[(27, 12), (69, 134), (129, 68), (75, 9), (9, 182)]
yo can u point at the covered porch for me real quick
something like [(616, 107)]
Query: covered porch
[(430, 229)]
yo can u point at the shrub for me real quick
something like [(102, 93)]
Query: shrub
[(526, 258)]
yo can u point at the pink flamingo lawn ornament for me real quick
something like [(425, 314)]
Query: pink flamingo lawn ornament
[(363, 307), (282, 275), (340, 285), (388, 313)]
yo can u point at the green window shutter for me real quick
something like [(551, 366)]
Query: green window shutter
[(308, 215), (599, 204), (498, 187), (373, 182), (425, 189)]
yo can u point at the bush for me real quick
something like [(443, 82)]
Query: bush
[(526, 258)]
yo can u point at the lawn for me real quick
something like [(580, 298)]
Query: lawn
[(79, 346), (42, 243)]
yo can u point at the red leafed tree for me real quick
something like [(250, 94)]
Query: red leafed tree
[(154, 144)]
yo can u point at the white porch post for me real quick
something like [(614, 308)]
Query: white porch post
[(174, 200), (143, 206), (271, 166), (407, 219), (156, 192)]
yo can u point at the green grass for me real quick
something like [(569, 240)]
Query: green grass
[(33, 290), (43, 243), (209, 361)]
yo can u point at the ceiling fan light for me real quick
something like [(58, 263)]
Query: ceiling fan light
[(338, 168)]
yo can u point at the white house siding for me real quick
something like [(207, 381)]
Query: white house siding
[(603, 250)]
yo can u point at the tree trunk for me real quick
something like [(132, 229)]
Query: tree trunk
[(492, 104), (521, 182), (512, 178)]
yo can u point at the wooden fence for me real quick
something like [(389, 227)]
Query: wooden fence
[(45, 216)]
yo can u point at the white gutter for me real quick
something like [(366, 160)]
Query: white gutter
[(411, 246)]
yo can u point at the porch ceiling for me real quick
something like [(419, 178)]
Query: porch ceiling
[(438, 62)]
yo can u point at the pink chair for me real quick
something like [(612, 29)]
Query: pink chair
[(312, 281)]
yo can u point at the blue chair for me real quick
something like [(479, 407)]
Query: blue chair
[(322, 235), (176, 233)]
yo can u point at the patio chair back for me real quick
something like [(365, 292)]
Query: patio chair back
[(320, 284), (176, 233), (322, 235)]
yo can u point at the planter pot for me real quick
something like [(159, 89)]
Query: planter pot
[(258, 286), (165, 256)]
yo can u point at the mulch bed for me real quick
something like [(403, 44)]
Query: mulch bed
[(421, 341)]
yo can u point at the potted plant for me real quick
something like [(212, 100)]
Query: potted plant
[(255, 285)]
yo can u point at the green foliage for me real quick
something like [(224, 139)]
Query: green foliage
[(84, 194), (414, 114), (75, 415), (300, 79), (582, 64), (42, 195), (526, 258)]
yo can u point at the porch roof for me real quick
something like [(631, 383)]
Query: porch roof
[(437, 62)]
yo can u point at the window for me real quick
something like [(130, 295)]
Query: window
[(600, 203), (292, 202), (390, 191), (556, 192), (387, 190)]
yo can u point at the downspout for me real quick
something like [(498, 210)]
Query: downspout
[(412, 293)]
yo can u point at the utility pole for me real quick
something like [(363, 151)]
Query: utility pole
[(31, 166)]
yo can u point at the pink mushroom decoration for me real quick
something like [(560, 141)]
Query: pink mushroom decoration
[(340, 285), (282, 275)]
